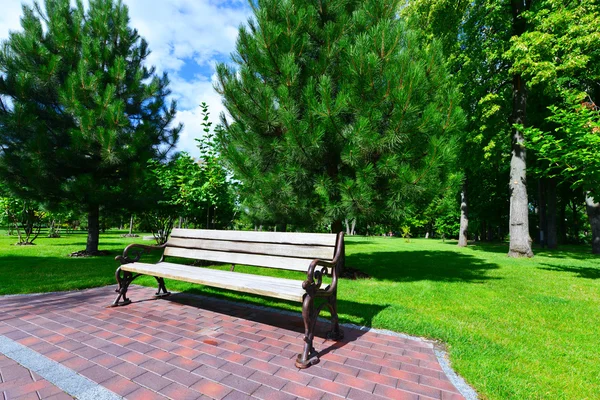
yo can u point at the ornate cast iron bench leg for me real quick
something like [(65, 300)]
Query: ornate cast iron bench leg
[(162, 289), (309, 355), (124, 279), (335, 333)]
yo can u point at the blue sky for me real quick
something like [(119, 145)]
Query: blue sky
[(187, 38)]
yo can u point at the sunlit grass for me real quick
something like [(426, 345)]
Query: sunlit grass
[(515, 329)]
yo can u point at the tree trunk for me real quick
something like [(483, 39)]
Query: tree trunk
[(131, 225), (562, 226), (347, 226), (593, 212), (463, 233), (337, 226), (483, 231), (542, 212), (93, 237), (552, 235), (575, 221), (352, 231), (520, 242)]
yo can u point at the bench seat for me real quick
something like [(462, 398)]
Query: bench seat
[(281, 288)]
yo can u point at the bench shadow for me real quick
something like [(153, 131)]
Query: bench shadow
[(283, 319)]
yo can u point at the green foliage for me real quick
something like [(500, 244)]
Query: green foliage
[(475, 36), (561, 57), (561, 47), (172, 189), (572, 150), (405, 233), (554, 46), (339, 111), (80, 113), (198, 191), (218, 191), (24, 216)]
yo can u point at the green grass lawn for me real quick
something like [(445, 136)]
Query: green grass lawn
[(515, 329)]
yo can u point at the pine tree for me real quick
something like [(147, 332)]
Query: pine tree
[(338, 111), (80, 113)]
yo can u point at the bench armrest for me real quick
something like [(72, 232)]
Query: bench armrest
[(314, 275), (139, 249)]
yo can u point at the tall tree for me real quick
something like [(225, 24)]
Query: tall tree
[(477, 37), (339, 110), (80, 113), (463, 234), (560, 56), (520, 241), (474, 35)]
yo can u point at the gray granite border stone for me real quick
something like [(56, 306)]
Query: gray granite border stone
[(62, 377)]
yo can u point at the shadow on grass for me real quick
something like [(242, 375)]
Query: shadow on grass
[(581, 252), (577, 252), (487, 247), (409, 266), (583, 272)]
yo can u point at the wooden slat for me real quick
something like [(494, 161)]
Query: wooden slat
[(240, 278), (316, 239), (263, 285), (274, 287), (286, 250), (296, 264)]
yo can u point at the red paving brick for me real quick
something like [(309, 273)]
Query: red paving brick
[(121, 386), (188, 347), (19, 382)]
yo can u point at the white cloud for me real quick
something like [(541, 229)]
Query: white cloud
[(10, 17), (177, 31), (190, 94)]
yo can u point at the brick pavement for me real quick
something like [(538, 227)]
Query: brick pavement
[(192, 347), (17, 382)]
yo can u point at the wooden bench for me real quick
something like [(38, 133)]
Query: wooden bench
[(319, 255)]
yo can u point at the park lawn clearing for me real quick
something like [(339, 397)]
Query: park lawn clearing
[(514, 328)]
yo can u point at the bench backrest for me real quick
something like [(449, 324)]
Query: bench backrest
[(281, 250)]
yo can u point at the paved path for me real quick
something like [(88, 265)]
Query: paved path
[(18, 382), (192, 347)]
